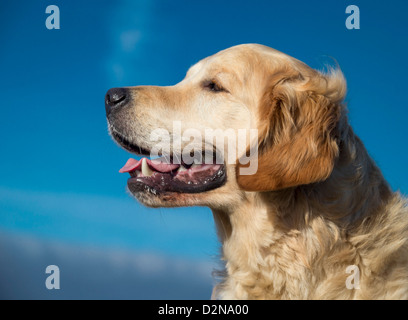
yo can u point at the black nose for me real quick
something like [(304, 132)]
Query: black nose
[(115, 97)]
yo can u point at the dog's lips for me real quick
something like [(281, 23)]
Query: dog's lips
[(159, 176)]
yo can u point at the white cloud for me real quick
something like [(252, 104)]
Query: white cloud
[(97, 273), (129, 40), (108, 221), (129, 31)]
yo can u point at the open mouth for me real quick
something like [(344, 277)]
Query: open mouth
[(166, 175), (160, 175)]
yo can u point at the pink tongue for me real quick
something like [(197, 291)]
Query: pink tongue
[(157, 165), (131, 165), (162, 166)]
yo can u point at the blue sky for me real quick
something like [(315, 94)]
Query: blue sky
[(59, 180)]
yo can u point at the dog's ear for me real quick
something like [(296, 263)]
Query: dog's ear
[(297, 131)]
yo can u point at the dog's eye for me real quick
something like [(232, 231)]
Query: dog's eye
[(214, 86)]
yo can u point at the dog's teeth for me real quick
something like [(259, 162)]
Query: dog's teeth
[(194, 165), (181, 169), (147, 172)]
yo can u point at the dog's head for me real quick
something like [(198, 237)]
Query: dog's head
[(248, 118)]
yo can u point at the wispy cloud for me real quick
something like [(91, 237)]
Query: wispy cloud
[(129, 33), (108, 221), (94, 273), (106, 247)]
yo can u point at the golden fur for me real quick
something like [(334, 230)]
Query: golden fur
[(317, 204)]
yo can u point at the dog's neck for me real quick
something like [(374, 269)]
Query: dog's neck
[(273, 228)]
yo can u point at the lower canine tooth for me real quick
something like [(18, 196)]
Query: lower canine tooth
[(181, 169), (147, 172)]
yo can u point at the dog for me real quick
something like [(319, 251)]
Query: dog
[(315, 219)]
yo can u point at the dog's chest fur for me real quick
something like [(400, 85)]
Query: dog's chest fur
[(266, 261)]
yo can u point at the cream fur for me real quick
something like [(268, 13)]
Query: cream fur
[(317, 206)]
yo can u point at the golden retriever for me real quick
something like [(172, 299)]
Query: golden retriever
[(315, 218)]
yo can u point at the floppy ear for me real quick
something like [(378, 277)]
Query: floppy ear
[(298, 131)]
